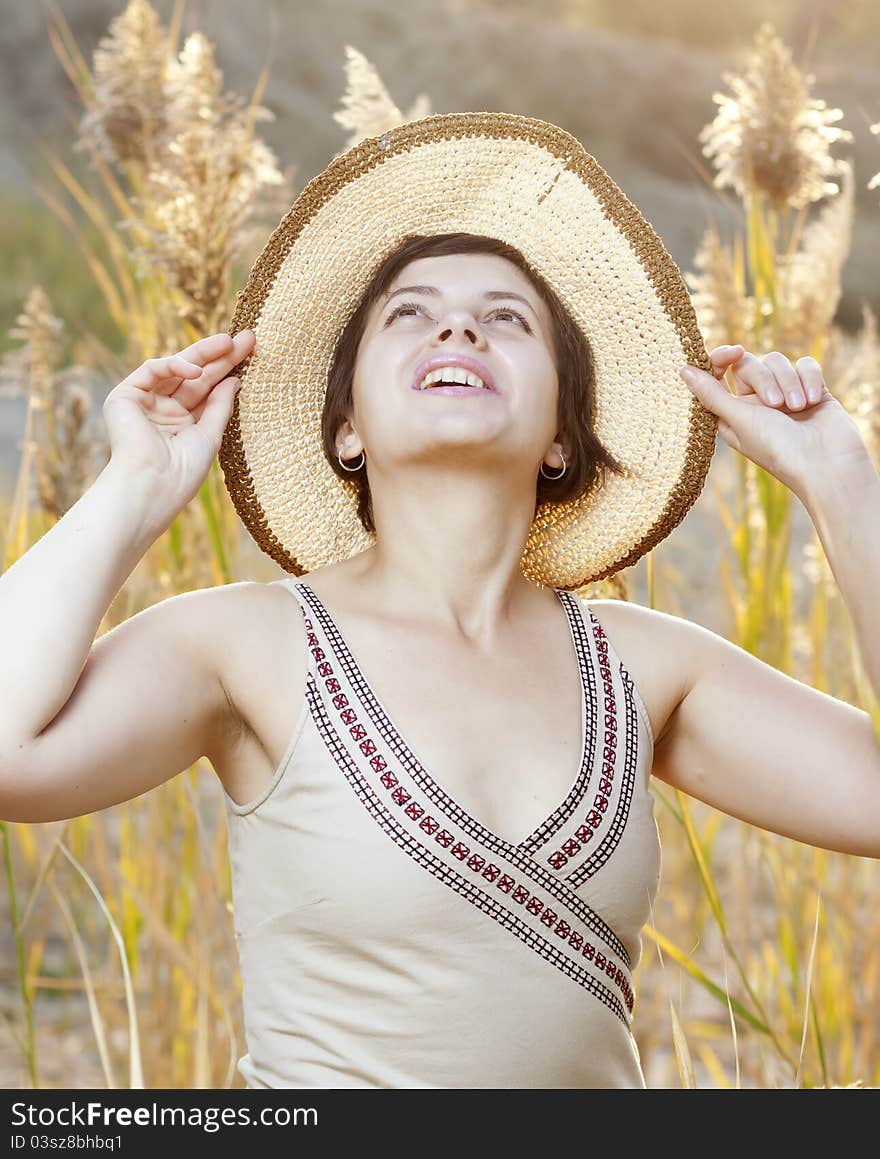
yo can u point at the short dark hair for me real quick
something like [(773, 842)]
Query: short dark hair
[(573, 356)]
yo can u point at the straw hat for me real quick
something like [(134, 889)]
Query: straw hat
[(533, 185)]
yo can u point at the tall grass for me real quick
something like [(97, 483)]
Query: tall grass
[(777, 956), (762, 959)]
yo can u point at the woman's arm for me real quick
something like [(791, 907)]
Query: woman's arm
[(53, 599), (85, 723), (745, 737), (844, 506), (761, 746)]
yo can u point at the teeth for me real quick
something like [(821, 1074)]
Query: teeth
[(453, 374)]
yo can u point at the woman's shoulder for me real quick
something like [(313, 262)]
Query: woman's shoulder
[(647, 642), (242, 631)]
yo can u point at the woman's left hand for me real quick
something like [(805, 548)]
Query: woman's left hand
[(782, 417)]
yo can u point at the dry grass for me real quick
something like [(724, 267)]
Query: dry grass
[(761, 965)]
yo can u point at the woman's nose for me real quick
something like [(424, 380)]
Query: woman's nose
[(463, 325)]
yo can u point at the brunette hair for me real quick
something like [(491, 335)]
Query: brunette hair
[(573, 355)]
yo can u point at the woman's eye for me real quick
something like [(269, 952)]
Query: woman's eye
[(413, 307), (408, 306)]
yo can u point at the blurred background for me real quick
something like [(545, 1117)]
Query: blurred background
[(136, 191)]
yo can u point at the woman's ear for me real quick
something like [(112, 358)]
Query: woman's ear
[(560, 445), (347, 441)]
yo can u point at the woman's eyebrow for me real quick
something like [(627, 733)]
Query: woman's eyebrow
[(490, 295)]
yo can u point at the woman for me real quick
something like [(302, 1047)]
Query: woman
[(436, 767)]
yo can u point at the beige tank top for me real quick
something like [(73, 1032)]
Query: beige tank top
[(389, 939)]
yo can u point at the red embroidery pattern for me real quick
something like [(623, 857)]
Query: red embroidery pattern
[(596, 814), (563, 961), (631, 747), (473, 860), (562, 814), (551, 883)]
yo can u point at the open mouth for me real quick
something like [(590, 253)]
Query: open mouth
[(455, 388), (467, 373)]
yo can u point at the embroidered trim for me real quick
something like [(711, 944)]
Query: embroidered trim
[(579, 874), (593, 820), (485, 868), (411, 766), (558, 818), (474, 890)]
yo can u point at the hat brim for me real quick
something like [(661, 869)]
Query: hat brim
[(533, 185)]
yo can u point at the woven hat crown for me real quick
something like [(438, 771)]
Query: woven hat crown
[(531, 184)]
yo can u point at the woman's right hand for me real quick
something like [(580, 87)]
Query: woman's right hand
[(167, 418)]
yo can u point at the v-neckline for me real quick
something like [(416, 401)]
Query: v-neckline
[(561, 809)]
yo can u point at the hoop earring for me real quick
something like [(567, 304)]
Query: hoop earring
[(357, 468), (561, 473)]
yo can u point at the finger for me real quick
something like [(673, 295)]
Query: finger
[(712, 393), (812, 379), (206, 349), (723, 356), (217, 410), (788, 379), (163, 375), (751, 376), (231, 355), (191, 394)]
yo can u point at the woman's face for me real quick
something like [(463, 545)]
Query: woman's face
[(477, 305)]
